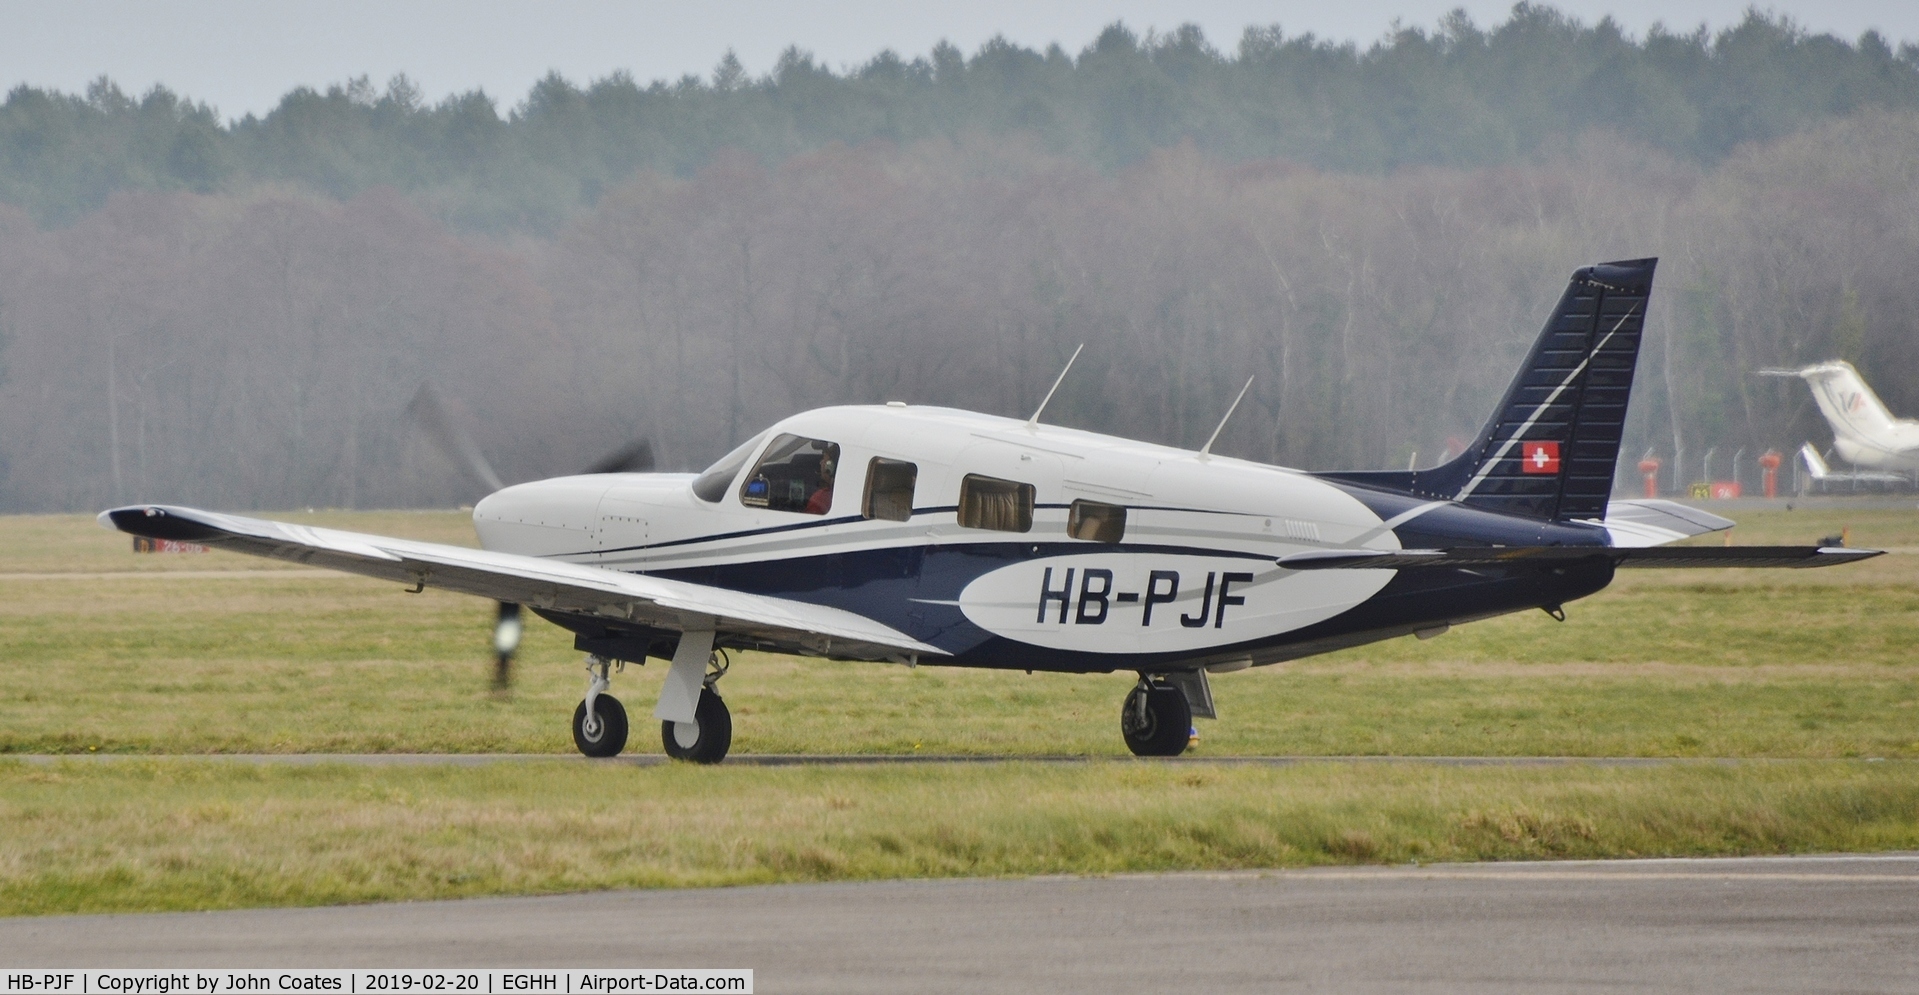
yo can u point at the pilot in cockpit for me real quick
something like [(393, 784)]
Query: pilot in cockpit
[(796, 475), (821, 499)]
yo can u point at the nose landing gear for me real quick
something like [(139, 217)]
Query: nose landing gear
[(1155, 719), (599, 723)]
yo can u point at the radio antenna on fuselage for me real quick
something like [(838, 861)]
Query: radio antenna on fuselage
[(1033, 422), (1206, 451)]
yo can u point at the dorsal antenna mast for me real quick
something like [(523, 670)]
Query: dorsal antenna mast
[(1033, 422), (1206, 451)]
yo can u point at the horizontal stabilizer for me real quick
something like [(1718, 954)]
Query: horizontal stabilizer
[(1508, 556), (1745, 556), (1655, 522)]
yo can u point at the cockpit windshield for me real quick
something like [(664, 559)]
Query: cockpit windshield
[(796, 474), (710, 486)]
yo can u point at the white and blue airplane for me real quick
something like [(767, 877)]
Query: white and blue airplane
[(929, 535)]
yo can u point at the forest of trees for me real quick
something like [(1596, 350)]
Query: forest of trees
[(236, 314), (1458, 96)]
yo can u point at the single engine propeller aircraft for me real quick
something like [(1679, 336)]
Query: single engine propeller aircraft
[(925, 535)]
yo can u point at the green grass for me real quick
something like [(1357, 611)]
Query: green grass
[(97, 653), (155, 835), (1772, 663)]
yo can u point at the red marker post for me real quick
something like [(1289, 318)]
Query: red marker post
[(1769, 463), (1649, 468)]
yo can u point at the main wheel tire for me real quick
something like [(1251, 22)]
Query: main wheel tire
[(710, 736), (1163, 731), (609, 738)]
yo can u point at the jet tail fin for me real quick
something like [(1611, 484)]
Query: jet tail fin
[(1551, 447), (1849, 405)]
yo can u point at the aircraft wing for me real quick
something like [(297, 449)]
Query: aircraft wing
[(1630, 556), (531, 580)]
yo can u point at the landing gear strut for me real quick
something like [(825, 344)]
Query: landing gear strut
[(1155, 719), (705, 739), (599, 724)]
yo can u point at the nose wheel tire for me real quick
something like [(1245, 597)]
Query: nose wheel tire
[(607, 735), (705, 739), (1157, 726)]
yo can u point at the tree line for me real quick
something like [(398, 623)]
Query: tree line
[(1457, 96), (257, 349)]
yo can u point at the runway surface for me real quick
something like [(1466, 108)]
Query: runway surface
[(1783, 924)]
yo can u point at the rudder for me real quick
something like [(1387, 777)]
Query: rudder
[(1552, 445)]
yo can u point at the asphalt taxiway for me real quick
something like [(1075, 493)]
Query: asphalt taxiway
[(1774, 924)]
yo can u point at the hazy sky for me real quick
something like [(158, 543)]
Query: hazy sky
[(242, 55)]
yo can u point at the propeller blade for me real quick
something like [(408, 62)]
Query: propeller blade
[(634, 457), (507, 630), (430, 414)]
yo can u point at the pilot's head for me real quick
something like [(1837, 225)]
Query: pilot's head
[(826, 469)]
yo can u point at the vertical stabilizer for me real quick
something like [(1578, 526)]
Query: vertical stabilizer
[(1853, 410), (1551, 447)]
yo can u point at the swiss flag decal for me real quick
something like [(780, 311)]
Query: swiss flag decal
[(1539, 457)]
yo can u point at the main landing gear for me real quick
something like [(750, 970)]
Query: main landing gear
[(600, 724), (705, 739), (1155, 719)]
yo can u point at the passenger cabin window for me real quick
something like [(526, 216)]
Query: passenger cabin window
[(711, 485), (795, 475), (1000, 505), (1096, 521), (889, 489)]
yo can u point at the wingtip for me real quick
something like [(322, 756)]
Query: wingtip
[(158, 522), (1850, 553)]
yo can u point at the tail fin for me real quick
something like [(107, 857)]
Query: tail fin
[(1850, 407), (1551, 447)]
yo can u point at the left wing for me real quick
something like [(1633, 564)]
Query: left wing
[(530, 580)]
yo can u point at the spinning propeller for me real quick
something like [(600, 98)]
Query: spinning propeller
[(430, 414)]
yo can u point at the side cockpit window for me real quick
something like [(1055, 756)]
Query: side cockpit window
[(889, 490), (991, 503), (711, 485), (796, 474), (1096, 521)]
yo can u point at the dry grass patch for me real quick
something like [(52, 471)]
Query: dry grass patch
[(189, 835)]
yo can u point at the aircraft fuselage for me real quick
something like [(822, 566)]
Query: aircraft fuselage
[(1084, 552)]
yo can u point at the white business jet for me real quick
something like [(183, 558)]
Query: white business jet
[(1863, 431), (928, 535)]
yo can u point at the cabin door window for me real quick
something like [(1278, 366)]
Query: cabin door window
[(889, 489), (991, 503), (1096, 521), (796, 474)]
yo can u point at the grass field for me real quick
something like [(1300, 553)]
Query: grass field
[(105, 651), (191, 835), (110, 651)]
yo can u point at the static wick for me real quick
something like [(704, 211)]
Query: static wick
[(1033, 422), (1206, 451)]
